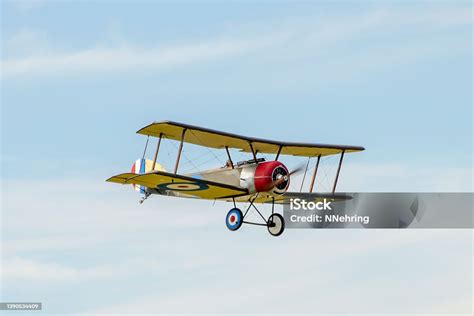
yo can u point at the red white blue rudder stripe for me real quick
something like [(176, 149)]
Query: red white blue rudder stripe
[(139, 167)]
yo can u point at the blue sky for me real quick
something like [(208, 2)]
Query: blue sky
[(336, 73), (78, 79)]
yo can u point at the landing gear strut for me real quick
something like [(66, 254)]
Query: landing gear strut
[(275, 223)]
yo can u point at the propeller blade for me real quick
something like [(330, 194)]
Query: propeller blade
[(285, 178)]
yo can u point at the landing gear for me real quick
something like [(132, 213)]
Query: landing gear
[(234, 219), (275, 223)]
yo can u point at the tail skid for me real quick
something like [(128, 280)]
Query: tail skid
[(147, 194)]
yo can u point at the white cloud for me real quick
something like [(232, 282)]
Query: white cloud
[(63, 206), (128, 58), (305, 33), (19, 269), (26, 42), (184, 246), (301, 277), (26, 5), (393, 177)]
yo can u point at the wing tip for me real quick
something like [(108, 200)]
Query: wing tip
[(140, 131)]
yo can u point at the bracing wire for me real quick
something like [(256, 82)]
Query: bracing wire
[(186, 158), (304, 176), (200, 141)]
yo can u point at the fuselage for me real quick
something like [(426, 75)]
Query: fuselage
[(254, 176)]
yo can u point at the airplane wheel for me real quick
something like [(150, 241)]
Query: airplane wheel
[(276, 224), (234, 219)]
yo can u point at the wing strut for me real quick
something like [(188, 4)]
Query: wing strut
[(228, 155), (179, 152), (156, 152), (278, 153), (253, 152), (338, 170)]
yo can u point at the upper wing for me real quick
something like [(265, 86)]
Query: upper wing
[(216, 139), (163, 181)]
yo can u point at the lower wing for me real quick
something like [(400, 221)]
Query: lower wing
[(165, 182)]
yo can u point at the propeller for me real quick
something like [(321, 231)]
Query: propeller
[(284, 178)]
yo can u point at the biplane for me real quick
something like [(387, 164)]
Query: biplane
[(252, 181)]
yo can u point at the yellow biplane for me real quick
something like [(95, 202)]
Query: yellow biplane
[(251, 181)]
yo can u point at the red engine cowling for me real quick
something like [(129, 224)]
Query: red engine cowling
[(268, 173)]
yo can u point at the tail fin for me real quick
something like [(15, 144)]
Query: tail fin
[(142, 166)]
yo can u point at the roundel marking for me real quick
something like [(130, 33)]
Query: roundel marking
[(183, 186)]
